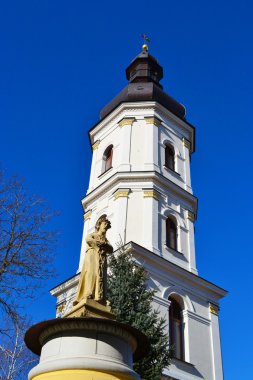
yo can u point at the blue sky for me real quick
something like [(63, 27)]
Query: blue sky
[(62, 61)]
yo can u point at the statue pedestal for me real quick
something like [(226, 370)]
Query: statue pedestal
[(90, 308), (85, 348)]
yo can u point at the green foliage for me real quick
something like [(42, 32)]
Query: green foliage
[(131, 302)]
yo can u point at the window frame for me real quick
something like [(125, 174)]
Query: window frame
[(169, 157), (107, 157), (171, 227), (174, 319)]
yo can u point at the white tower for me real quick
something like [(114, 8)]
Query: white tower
[(140, 178)]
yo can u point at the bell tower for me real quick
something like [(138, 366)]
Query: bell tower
[(140, 178)]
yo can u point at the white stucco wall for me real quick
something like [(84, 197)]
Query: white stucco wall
[(139, 148)]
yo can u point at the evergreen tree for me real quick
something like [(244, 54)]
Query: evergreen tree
[(131, 303)]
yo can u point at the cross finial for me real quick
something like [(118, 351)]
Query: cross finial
[(145, 41)]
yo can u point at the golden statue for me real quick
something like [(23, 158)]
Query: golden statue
[(92, 282)]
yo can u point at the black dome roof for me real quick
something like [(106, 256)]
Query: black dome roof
[(144, 74)]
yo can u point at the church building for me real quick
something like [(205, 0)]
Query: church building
[(140, 178)]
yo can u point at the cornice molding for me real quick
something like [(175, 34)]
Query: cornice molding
[(162, 301), (153, 262), (152, 106), (196, 317), (65, 285), (158, 265), (143, 176)]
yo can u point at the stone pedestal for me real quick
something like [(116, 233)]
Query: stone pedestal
[(85, 348), (90, 308)]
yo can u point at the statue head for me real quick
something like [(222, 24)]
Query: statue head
[(102, 224)]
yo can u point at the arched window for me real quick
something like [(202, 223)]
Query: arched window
[(176, 329), (169, 157), (107, 159), (171, 233)]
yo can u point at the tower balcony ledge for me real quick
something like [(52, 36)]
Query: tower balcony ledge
[(137, 179)]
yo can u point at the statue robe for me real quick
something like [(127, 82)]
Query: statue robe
[(92, 282)]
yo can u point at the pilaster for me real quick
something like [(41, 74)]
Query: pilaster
[(215, 341), (187, 175), (125, 140), (150, 219), (190, 217), (93, 164), (120, 197), (151, 143)]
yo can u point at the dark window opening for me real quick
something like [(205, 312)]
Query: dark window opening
[(176, 329), (169, 158), (107, 158), (171, 234)]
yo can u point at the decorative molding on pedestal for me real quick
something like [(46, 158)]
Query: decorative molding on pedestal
[(153, 120), (126, 121), (214, 309), (151, 193), (90, 308), (85, 344)]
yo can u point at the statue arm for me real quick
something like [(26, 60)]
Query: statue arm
[(91, 241)]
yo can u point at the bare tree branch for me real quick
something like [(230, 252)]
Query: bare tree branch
[(15, 359), (26, 244)]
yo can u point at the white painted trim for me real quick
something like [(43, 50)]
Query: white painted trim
[(162, 301), (169, 291), (170, 211), (154, 262), (154, 108), (123, 177), (197, 317)]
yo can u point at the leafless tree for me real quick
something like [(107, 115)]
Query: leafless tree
[(26, 245), (15, 358)]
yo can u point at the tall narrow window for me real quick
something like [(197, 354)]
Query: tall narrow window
[(169, 157), (107, 159), (171, 234), (176, 329)]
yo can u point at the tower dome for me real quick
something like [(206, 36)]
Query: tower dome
[(144, 74)]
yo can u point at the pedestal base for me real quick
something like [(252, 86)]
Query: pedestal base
[(90, 308), (85, 348), (79, 374)]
